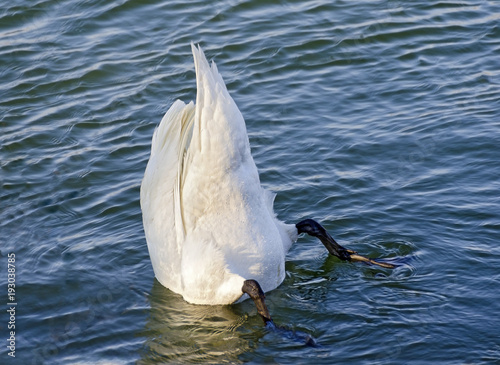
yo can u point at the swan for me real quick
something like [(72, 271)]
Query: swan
[(211, 231)]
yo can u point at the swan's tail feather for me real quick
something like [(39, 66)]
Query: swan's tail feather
[(219, 130)]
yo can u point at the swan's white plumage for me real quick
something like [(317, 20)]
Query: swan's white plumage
[(209, 224)]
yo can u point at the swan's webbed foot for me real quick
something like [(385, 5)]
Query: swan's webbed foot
[(253, 289), (315, 229)]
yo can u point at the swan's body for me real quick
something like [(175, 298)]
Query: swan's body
[(209, 224), (211, 231)]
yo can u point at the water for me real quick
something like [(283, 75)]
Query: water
[(381, 119)]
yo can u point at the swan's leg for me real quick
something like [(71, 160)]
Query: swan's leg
[(315, 229), (253, 289)]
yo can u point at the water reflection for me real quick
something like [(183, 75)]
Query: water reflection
[(179, 332)]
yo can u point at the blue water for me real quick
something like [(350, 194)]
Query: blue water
[(380, 119)]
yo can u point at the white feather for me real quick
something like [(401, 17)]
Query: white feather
[(209, 224)]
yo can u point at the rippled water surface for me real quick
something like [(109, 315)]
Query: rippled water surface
[(381, 119)]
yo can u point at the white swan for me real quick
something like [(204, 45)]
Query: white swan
[(210, 227)]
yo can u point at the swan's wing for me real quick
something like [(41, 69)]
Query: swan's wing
[(160, 192), (288, 232)]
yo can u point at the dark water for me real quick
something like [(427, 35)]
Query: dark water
[(381, 119)]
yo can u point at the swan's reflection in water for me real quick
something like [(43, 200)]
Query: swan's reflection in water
[(179, 332)]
